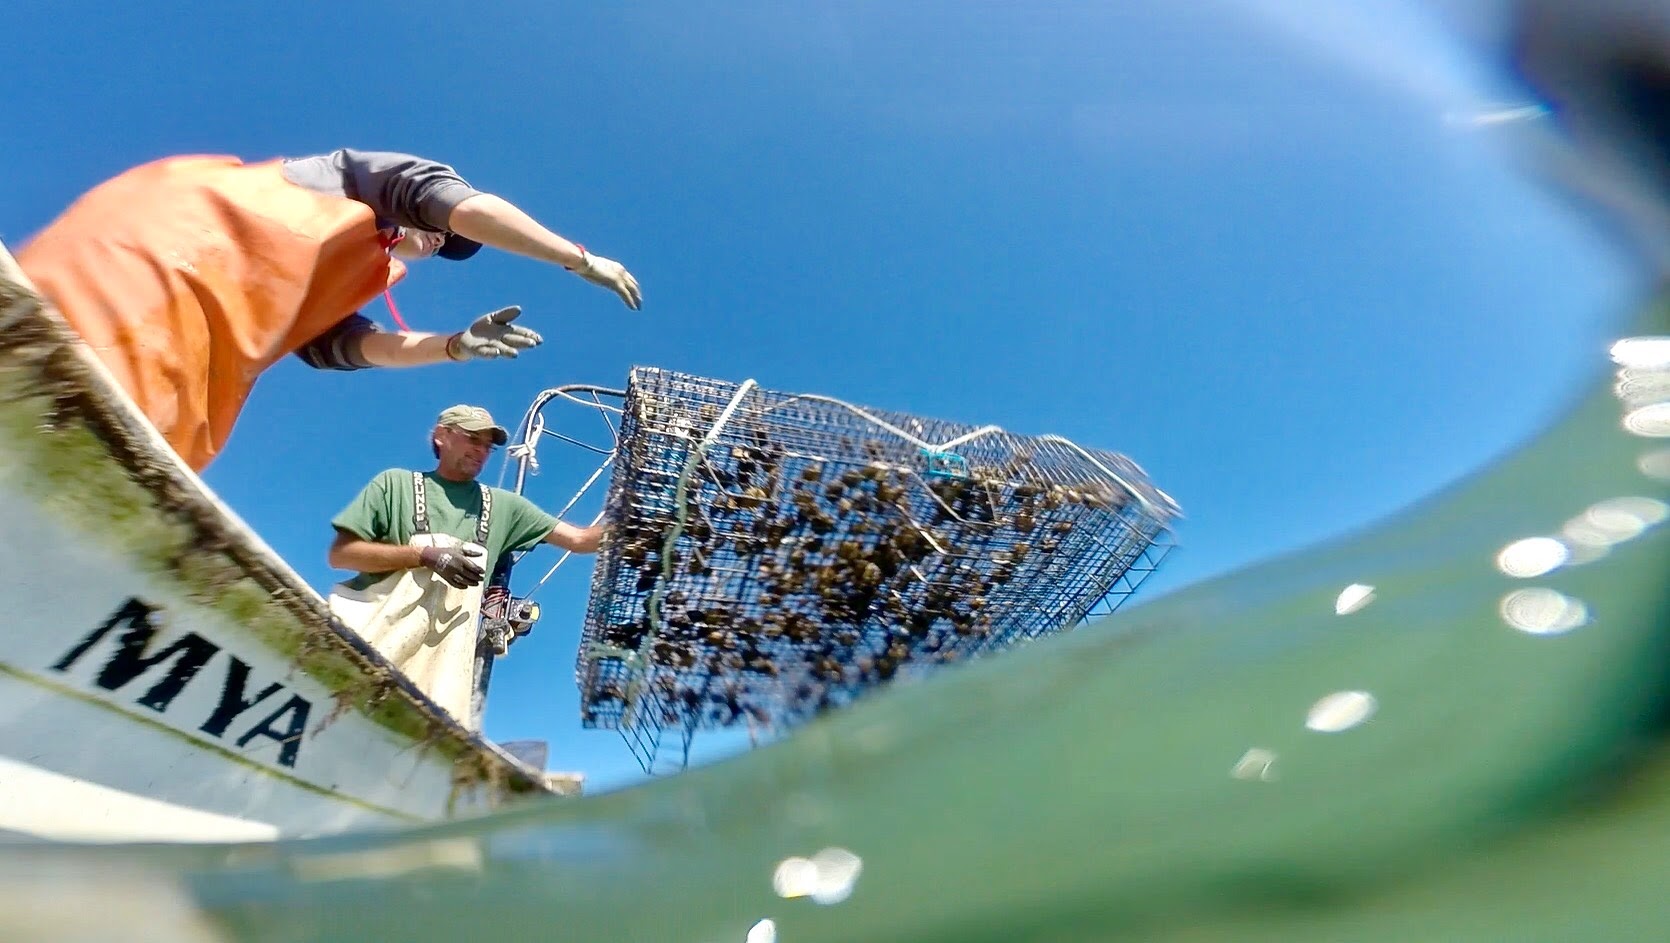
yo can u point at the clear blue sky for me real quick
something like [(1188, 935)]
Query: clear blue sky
[(1268, 249)]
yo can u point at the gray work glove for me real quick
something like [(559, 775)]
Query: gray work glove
[(492, 335), (611, 275), (456, 565)]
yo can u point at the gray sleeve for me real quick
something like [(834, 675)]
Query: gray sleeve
[(401, 189), (332, 350)]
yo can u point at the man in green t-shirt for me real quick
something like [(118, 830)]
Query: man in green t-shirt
[(422, 543), (374, 532)]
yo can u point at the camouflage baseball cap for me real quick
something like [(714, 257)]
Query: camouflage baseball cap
[(473, 419)]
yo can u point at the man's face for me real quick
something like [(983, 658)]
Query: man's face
[(463, 454), (417, 244)]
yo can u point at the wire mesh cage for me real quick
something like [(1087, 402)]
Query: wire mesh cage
[(774, 555)]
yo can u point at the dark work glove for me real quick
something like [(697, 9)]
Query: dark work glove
[(457, 565)]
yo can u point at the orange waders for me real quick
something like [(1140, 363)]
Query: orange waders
[(189, 276)]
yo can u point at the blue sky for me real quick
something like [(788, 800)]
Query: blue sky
[(1271, 250)]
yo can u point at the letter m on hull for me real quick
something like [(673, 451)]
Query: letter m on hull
[(189, 653)]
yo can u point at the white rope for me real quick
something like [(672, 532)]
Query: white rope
[(877, 420), (566, 508)]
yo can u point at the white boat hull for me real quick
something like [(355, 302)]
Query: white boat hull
[(163, 675)]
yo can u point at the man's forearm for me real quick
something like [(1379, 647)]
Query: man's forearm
[(495, 221), (576, 539), (367, 556), (404, 349)]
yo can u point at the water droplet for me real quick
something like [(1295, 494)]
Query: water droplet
[(1341, 711), (1353, 598), (1539, 610), (1642, 387), (1650, 352), (1645, 512), (1655, 464), (1582, 532), (794, 877), (1257, 763), (1532, 556), (1652, 421), (1614, 521), (827, 877), (838, 871)]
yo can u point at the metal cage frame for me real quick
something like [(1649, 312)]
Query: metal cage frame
[(773, 555)]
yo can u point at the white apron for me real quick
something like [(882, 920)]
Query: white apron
[(421, 623)]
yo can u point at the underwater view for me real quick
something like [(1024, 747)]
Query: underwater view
[(1445, 725)]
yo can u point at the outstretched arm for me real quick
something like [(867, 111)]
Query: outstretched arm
[(425, 194), (356, 343), (403, 349), (495, 221)]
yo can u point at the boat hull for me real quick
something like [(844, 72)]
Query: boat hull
[(164, 676)]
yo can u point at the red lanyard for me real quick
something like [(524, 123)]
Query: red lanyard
[(388, 242), (395, 311)]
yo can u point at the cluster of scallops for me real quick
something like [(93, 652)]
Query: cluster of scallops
[(792, 582)]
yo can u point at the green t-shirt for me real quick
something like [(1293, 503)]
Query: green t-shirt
[(383, 513)]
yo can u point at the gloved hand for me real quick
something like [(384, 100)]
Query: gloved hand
[(456, 565), (611, 275), (492, 335)]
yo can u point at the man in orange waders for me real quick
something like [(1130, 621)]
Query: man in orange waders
[(189, 276)]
